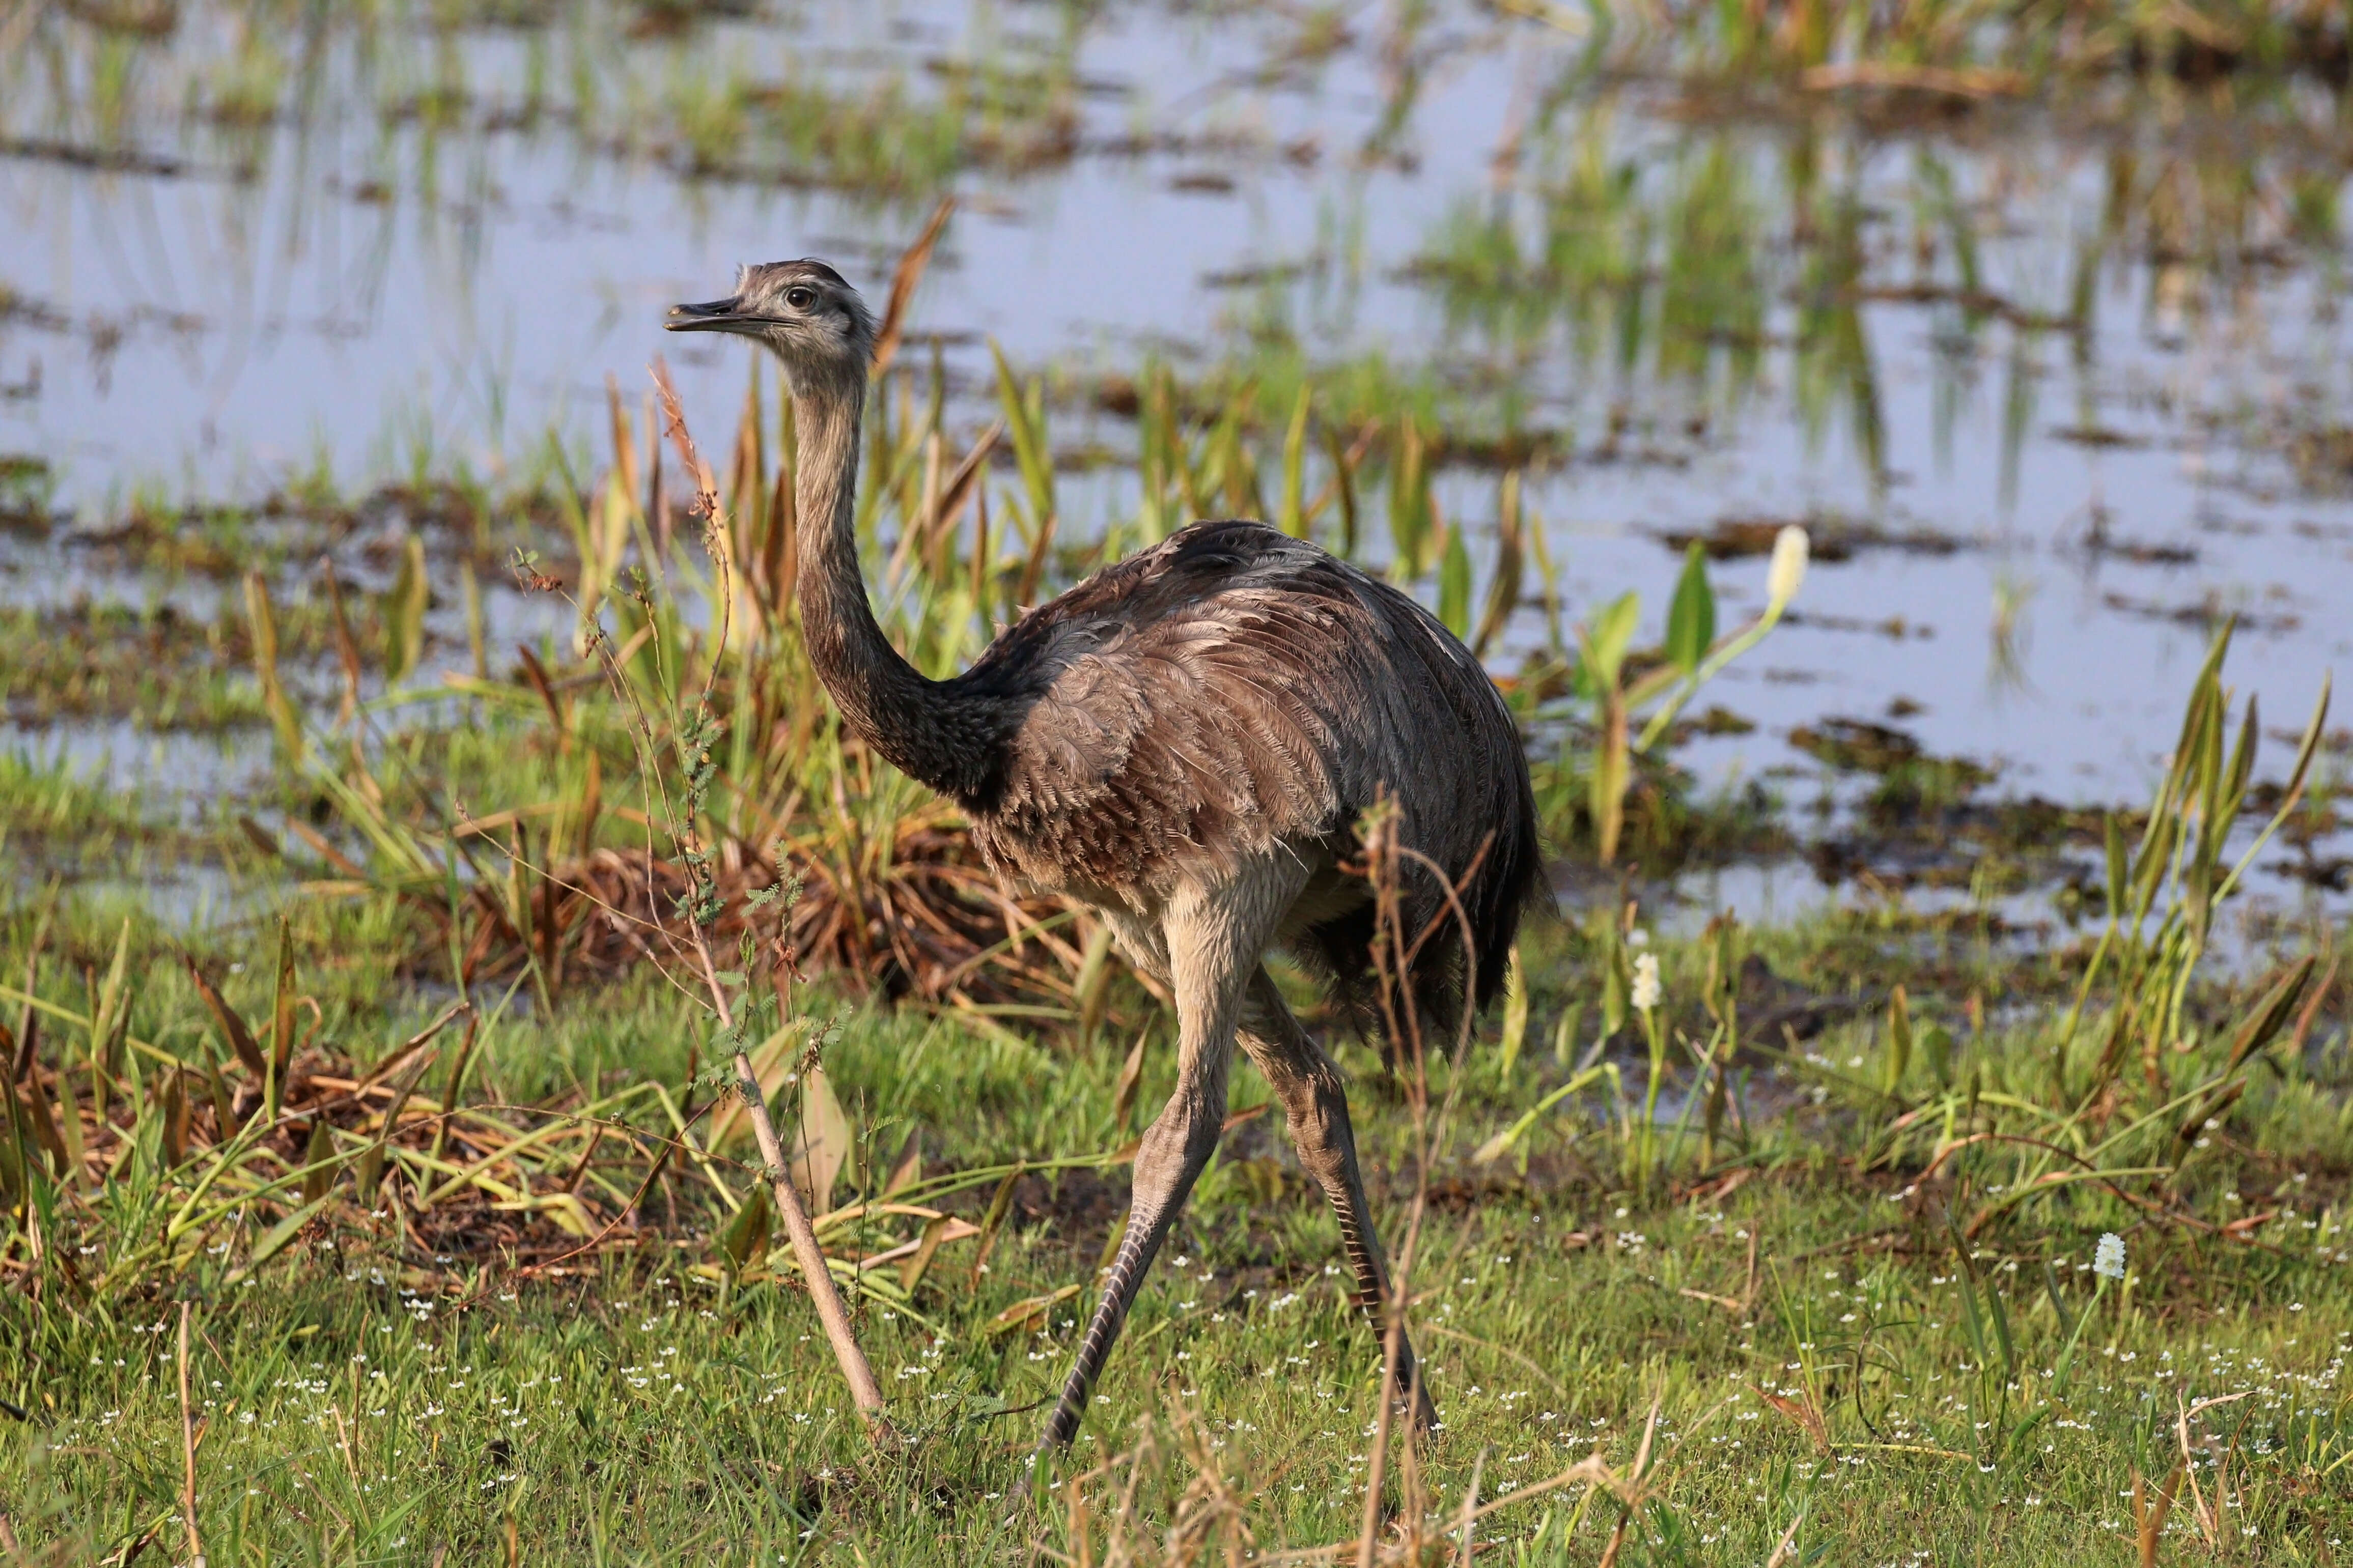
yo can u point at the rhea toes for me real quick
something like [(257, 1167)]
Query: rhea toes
[(1184, 743)]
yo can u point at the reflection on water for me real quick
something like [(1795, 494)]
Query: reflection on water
[(2058, 384)]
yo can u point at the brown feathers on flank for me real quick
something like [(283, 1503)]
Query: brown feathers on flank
[(1234, 690)]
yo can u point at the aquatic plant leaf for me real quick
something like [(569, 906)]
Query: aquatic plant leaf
[(1606, 637), (1454, 585), (403, 612), (110, 1017), (1503, 587), (44, 1126), (1410, 508), (1617, 982), (171, 1097), (1293, 518), (1691, 619), (1612, 774), (1937, 1042), (261, 623), (319, 1153), (1899, 1041), (2114, 832), (1025, 420), (1516, 1013), (910, 1168), (2271, 1014), (910, 273), (1343, 482)]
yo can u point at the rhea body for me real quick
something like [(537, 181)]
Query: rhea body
[(1184, 743)]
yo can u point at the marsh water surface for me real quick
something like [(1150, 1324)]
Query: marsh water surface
[(2057, 380)]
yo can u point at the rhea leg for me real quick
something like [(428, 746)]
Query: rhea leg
[(1210, 941), (1316, 1105)]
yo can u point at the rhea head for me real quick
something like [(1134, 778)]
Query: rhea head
[(803, 310)]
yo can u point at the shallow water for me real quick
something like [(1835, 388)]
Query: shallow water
[(2088, 359)]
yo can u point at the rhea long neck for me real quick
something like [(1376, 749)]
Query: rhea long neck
[(921, 726)]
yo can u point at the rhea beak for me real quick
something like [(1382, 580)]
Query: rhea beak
[(718, 316)]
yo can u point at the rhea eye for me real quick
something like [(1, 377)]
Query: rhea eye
[(800, 299)]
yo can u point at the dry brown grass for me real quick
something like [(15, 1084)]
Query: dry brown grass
[(919, 917)]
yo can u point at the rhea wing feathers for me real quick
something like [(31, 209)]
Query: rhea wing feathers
[(1233, 689)]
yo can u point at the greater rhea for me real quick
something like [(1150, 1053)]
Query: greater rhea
[(1184, 743)]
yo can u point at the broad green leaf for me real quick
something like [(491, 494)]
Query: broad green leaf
[(1616, 985), (1691, 620), (936, 1230), (1606, 637)]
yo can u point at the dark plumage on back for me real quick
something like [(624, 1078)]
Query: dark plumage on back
[(1185, 741), (1233, 689)]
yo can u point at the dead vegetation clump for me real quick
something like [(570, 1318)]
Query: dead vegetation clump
[(926, 920), (285, 1132)]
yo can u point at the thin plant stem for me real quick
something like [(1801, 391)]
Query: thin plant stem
[(830, 1309), (188, 1451)]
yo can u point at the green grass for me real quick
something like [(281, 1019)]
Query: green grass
[(367, 1402)]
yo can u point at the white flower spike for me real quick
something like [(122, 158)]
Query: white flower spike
[(1791, 550), (1646, 981), (2109, 1262)]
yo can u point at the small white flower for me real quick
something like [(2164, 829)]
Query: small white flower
[(1791, 548), (2109, 1262), (1646, 981)]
